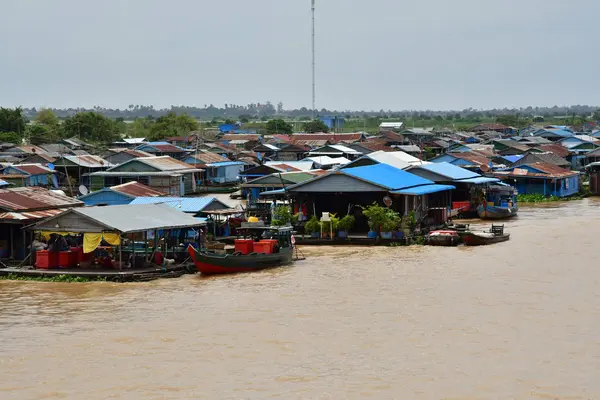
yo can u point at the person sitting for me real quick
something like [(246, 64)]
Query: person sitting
[(38, 244)]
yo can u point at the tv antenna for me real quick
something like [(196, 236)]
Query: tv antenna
[(314, 95)]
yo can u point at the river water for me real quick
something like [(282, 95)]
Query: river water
[(519, 319)]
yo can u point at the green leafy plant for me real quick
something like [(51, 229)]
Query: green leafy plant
[(346, 223), (331, 225), (282, 215), (391, 222), (376, 215), (313, 225), (295, 219)]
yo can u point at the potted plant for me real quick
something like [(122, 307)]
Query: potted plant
[(345, 225), (390, 224), (282, 215), (330, 227), (376, 215), (312, 227)]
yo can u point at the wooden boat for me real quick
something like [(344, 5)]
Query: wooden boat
[(211, 263), (474, 238), (447, 237), (498, 202)]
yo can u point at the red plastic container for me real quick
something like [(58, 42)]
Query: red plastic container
[(462, 205), (46, 260), (262, 248), (244, 246), (77, 254), (67, 259), (271, 243)]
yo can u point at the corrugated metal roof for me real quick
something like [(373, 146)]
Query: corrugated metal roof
[(33, 198), (545, 171), (557, 149), (330, 137), (185, 204), (425, 189), (129, 218), (225, 164), (162, 163), (386, 176), (311, 143), (284, 167), (408, 148), (480, 179), (136, 189), (326, 160), (30, 215), (450, 171), (298, 165), (160, 147), (207, 158), (87, 161), (513, 159), (472, 157), (249, 137), (33, 169)]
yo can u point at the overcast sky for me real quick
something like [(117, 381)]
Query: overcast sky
[(390, 54)]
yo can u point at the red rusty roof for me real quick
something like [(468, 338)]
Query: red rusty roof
[(547, 171), (333, 138), (33, 169), (34, 198), (30, 215), (250, 137), (204, 158), (557, 149), (137, 189), (166, 148), (475, 158)]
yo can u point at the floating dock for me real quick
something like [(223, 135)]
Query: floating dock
[(128, 275)]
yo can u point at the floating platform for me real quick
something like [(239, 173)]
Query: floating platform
[(127, 275)]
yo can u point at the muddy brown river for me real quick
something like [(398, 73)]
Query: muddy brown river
[(518, 320)]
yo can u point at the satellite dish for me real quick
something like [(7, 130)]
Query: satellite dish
[(83, 190), (387, 201)]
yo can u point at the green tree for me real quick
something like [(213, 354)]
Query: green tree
[(276, 126), (596, 115), (12, 120), (10, 137), (140, 128), (173, 125), (91, 126), (315, 126), (46, 117), (41, 134)]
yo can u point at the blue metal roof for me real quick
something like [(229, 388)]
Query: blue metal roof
[(513, 159), (185, 204), (226, 163), (425, 189), (386, 176), (480, 180), (450, 171)]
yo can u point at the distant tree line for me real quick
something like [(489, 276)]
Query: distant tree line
[(266, 111)]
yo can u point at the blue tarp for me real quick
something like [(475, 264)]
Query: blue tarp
[(425, 189), (513, 159)]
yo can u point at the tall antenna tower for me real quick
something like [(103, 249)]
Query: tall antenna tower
[(314, 93)]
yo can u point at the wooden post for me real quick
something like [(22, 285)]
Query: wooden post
[(146, 246), (12, 242), (120, 252)]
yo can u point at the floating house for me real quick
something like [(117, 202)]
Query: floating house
[(40, 158), (541, 178), (469, 160), (77, 168), (201, 159), (162, 149), (30, 175), (336, 150), (554, 134), (164, 174), (253, 188), (509, 147), (326, 162), (397, 159), (290, 152), (223, 173), (593, 170), (346, 190), (198, 206), (23, 206), (119, 156), (547, 158), (119, 195)]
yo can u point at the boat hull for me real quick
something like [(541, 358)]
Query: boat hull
[(493, 212), (443, 238), (474, 239), (214, 264)]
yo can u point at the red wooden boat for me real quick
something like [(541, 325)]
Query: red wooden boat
[(282, 253)]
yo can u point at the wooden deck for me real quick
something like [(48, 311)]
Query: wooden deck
[(128, 275)]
